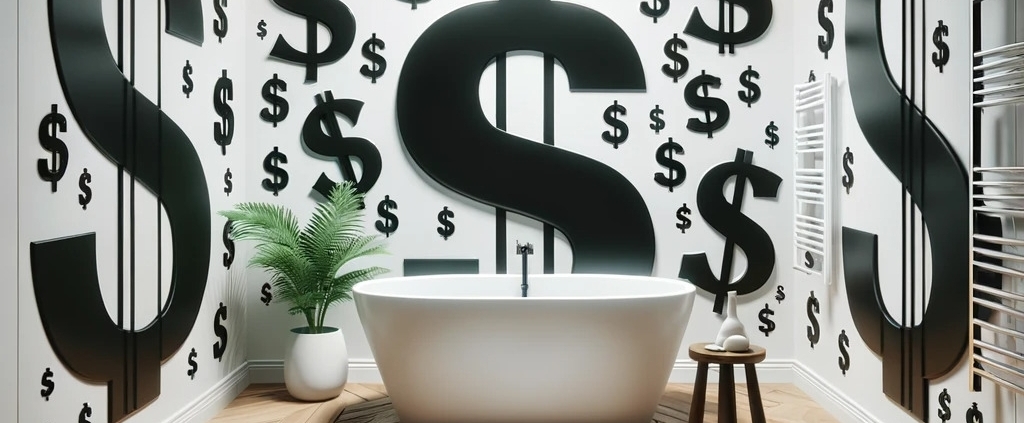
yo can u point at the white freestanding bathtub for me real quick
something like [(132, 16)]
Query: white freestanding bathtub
[(470, 349)]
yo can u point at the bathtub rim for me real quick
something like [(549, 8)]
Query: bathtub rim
[(683, 287)]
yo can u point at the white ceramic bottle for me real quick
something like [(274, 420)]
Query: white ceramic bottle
[(732, 336)]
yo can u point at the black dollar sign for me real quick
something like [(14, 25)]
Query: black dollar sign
[(941, 57), (261, 29), (773, 138), (659, 123), (974, 414), (847, 161), (707, 104), (48, 129), (390, 223), (224, 130), (780, 294), (192, 363), (844, 361), (447, 228), (370, 48), (759, 17), (339, 22), (684, 222), (825, 42), (48, 384), (753, 91), (676, 170), (188, 86), (83, 183), (658, 10), (229, 244), (808, 260), (944, 400), (267, 295), (813, 331), (86, 412), (738, 229), (621, 131), (227, 182), (768, 325), (220, 27), (272, 165), (220, 331), (333, 144), (679, 64), (280, 105)]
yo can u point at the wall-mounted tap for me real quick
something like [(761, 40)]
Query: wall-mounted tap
[(524, 250)]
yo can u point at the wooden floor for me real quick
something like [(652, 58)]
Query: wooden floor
[(270, 403)]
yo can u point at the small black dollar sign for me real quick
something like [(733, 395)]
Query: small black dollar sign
[(390, 223), (974, 414), (684, 222), (192, 363), (770, 132), (334, 144), (267, 296), (370, 48), (272, 164), (825, 41), (188, 86), (340, 23), (676, 170), (706, 104), (808, 260), (83, 183), (220, 27), (86, 412), (621, 131), (48, 384), (768, 325), (261, 29), (941, 57), (679, 64), (844, 361), (279, 104), (847, 161), (224, 130), (659, 123), (944, 400), (753, 91), (780, 294), (659, 8), (813, 331), (229, 243), (448, 227), (48, 129), (220, 331), (228, 187)]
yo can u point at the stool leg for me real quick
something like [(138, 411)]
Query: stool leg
[(700, 387), (754, 392), (726, 395)]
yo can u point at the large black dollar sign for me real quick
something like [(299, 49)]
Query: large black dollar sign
[(439, 117), (188, 86), (706, 104), (659, 8), (738, 229), (271, 90), (64, 275), (379, 63), (753, 91), (220, 26), (825, 41), (48, 129), (768, 325), (229, 244), (621, 130), (224, 130), (676, 170), (941, 57), (218, 329), (272, 165), (390, 223), (679, 64), (83, 183), (813, 331), (759, 17), (333, 144), (944, 400), (937, 343), (48, 384), (340, 23), (844, 361)]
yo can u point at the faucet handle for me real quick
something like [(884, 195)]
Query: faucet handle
[(524, 249)]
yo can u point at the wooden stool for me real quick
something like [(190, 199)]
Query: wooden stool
[(726, 383)]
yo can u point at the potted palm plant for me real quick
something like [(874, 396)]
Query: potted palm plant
[(305, 268)]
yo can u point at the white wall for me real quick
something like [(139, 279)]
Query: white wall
[(9, 210)]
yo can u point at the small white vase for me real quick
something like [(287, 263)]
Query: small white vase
[(316, 364), (732, 325)]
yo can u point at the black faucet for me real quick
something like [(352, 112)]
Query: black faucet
[(524, 250)]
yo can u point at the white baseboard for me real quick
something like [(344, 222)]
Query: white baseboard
[(215, 399), (830, 398)]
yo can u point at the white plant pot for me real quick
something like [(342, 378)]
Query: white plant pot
[(316, 365)]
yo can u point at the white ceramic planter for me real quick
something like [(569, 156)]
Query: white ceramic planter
[(316, 365)]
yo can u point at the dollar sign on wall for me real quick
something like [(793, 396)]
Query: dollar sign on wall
[(64, 275), (759, 17), (932, 348), (439, 117)]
